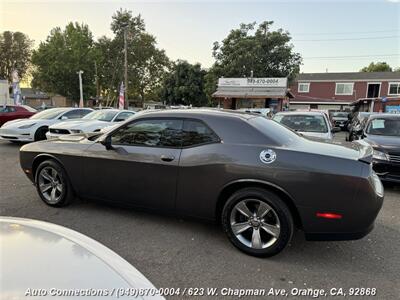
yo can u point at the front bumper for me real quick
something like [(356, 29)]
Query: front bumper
[(15, 135), (50, 135), (387, 171)]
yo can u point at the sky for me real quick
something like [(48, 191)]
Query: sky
[(333, 36)]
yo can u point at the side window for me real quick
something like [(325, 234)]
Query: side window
[(197, 133), (123, 116), (151, 133)]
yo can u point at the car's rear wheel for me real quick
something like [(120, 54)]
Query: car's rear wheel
[(257, 222), (40, 134), (52, 184)]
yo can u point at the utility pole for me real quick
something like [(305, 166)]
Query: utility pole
[(126, 68), (97, 84), (80, 88)]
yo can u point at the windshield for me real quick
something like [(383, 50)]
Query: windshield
[(340, 114), (303, 123), (389, 127), (101, 115), (48, 114)]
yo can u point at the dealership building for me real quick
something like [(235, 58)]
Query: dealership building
[(237, 93)]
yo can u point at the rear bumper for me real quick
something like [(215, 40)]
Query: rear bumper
[(14, 135), (357, 220)]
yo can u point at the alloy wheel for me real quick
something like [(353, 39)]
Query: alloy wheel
[(50, 184), (255, 223)]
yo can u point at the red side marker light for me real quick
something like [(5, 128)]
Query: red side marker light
[(329, 215)]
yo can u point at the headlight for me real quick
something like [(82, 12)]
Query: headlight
[(76, 131), (26, 126), (380, 155), (377, 184)]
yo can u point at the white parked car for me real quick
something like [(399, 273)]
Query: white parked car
[(309, 123), (40, 260), (35, 128), (93, 122)]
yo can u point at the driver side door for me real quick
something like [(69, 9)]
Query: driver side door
[(141, 168)]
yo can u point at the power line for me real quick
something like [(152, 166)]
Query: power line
[(351, 39), (351, 56), (339, 33)]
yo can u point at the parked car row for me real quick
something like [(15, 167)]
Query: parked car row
[(36, 126)]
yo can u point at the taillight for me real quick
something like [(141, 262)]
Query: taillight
[(329, 215)]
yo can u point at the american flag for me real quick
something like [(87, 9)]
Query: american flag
[(121, 96)]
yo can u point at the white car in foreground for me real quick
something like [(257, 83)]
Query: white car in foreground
[(40, 260), (93, 122), (309, 123), (35, 128)]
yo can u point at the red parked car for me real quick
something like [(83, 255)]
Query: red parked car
[(13, 112)]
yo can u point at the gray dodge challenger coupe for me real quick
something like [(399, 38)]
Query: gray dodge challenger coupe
[(255, 176)]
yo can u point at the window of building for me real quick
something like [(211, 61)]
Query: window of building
[(150, 133), (394, 88), (344, 88), (197, 133), (304, 87)]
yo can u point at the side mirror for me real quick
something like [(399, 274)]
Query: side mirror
[(64, 118), (107, 142), (336, 129)]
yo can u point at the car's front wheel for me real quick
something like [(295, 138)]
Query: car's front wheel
[(52, 184), (257, 222)]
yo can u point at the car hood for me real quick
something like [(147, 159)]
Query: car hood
[(388, 143), (79, 124), (58, 248), (21, 122)]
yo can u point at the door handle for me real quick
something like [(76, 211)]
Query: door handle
[(167, 158)]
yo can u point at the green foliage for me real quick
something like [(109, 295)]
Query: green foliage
[(267, 53), (60, 57), (15, 53), (184, 85), (377, 67), (146, 63)]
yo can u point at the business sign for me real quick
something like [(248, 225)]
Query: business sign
[(393, 109), (253, 82)]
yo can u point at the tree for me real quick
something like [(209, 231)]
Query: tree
[(58, 59), (267, 53), (378, 67), (184, 85), (146, 63), (15, 53)]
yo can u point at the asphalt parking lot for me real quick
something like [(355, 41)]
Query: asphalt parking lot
[(182, 253)]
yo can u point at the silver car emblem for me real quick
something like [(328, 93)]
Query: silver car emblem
[(267, 156)]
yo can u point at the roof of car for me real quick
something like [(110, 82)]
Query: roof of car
[(201, 112), (384, 116), (299, 112)]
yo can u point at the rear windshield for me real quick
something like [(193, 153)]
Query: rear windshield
[(303, 123), (340, 114), (275, 131), (388, 127)]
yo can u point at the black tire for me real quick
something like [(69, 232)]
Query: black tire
[(40, 134), (279, 210), (63, 195)]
